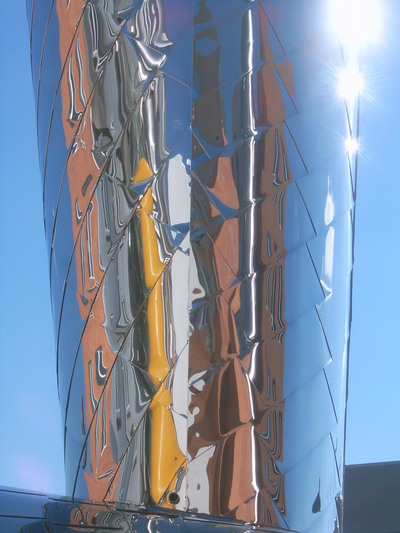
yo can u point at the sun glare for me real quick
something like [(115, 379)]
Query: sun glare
[(351, 83), (356, 21), (351, 145)]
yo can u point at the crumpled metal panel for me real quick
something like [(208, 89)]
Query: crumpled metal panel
[(198, 209)]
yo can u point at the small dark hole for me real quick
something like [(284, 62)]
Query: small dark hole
[(217, 137), (173, 498)]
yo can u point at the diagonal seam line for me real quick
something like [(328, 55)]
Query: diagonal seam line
[(331, 396), (112, 147), (108, 377), (324, 332), (200, 143), (111, 151), (273, 29), (77, 25), (172, 478), (286, 89), (297, 148), (40, 65), (336, 461), (137, 427), (112, 255), (316, 271)]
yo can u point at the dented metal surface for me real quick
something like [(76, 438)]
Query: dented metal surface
[(198, 211)]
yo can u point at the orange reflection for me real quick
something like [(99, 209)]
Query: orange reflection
[(239, 408)]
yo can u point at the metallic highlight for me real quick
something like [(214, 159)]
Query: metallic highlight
[(198, 212)]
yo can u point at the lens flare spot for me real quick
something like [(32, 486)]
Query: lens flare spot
[(351, 145), (351, 83)]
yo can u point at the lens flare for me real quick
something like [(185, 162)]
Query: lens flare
[(351, 83), (351, 145), (356, 21)]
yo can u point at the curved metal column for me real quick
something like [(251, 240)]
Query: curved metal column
[(198, 211)]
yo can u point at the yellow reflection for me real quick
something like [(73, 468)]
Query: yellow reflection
[(143, 171), (151, 257), (166, 457), (153, 267)]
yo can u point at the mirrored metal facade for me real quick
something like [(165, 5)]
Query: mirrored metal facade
[(29, 512), (198, 207)]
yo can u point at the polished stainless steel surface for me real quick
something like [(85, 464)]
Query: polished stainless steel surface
[(198, 207), (28, 512)]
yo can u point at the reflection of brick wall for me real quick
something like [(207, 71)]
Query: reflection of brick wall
[(226, 249), (213, 227), (103, 225), (83, 173), (237, 346), (82, 170)]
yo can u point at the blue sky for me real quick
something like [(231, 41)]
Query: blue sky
[(30, 444), (373, 423), (31, 453)]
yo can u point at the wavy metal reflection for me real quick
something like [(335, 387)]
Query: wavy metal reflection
[(27, 511), (237, 343), (200, 267)]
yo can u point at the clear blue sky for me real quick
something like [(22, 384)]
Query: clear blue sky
[(31, 453), (373, 423)]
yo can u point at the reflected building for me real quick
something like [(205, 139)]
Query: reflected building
[(198, 208), (371, 495)]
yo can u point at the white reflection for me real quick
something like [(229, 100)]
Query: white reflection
[(327, 262), (329, 211), (357, 21), (351, 145), (178, 192), (351, 83)]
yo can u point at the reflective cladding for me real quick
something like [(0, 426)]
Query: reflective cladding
[(50, 65), (40, 14), (28, 512), (199, 218)]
